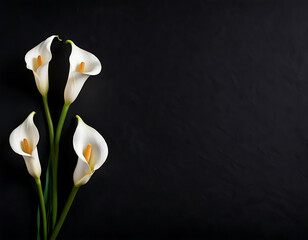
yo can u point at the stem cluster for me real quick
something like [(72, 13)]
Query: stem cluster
[(52, 225)]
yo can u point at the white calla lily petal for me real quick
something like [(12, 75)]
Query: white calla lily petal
[(74, 85), (40, 72), (27, 130), (33, 164), (76, 79), (82, 173), (41, 79), (78, 55), (83, 136)]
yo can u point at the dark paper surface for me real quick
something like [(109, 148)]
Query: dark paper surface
[(203, 104)]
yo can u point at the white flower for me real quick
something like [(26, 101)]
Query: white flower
[(23, 141), (82, 65), (91, 150), (37, 60)]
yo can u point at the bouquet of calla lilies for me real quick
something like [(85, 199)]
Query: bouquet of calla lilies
[(88, 144)]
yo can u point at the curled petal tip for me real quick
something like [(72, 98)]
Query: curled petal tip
[(32, 113), (59, 38), (69, 41), (78, 117)]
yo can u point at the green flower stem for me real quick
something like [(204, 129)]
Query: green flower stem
[(51, 169), (64, 212), (55, 163), (42, 205), (51, 141), (50, 124), (48, 183)]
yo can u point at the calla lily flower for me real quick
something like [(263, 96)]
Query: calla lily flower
[(37, 60), (91, 149), (82, 65), (23, 141)]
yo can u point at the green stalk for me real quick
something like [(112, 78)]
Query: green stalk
[(50, 124), (55, 163), (64, 212), (52, 165), (48, 182), (47, 199), (51, 154), (42, 205)]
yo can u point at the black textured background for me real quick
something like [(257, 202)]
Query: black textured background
[(203, 104)]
